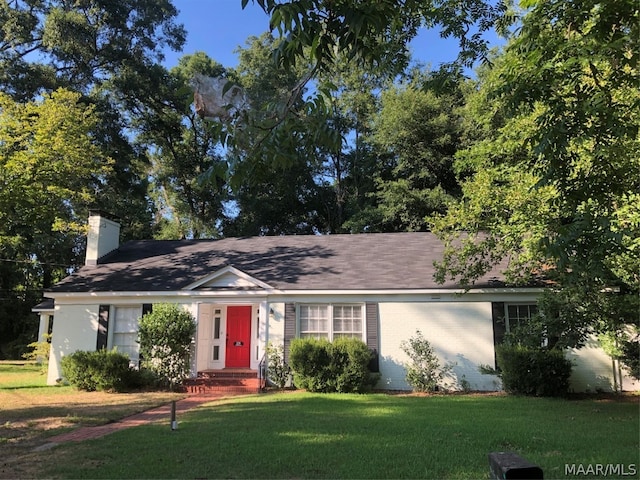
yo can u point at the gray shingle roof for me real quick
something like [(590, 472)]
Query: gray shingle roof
[(306, 262)]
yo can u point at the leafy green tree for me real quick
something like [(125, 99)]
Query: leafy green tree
[(274, 189), (182, 148), (49, 166), (350, 165), (418, 132), (81, 44), (334, 41), (108, 52), (553, 188)]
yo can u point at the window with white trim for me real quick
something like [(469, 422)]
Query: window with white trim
[(125, 332), (518, 313), (331, 321)]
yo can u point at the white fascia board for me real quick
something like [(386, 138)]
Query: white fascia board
[(225, 270), (272, 291), (423, 291), (93, 297), (43, 310)]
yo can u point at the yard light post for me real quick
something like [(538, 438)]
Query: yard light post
[(174, 423)]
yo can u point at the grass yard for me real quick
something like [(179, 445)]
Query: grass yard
[(301, 435), (30, 412)]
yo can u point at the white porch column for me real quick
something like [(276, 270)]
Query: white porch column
[(263, 332)]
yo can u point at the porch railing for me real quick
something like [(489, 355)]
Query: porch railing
[(263, 372)]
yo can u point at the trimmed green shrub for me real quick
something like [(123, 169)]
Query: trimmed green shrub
[(165, 337), (533, 371), (309, 359), (102, 370), (322, 366), (350, 358)]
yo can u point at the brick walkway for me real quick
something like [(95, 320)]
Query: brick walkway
[(154, 415)]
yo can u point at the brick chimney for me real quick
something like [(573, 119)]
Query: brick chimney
[(103, 236)]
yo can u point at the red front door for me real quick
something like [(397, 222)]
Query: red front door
[(238, 337)]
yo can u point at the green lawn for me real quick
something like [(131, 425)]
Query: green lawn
[(31, 411), (21, 375), (300, 435)]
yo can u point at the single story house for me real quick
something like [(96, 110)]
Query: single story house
[(245, 292)]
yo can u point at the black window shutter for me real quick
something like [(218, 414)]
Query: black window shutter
[(146, 308), (499, 328), (371, 318), (50, 328), (289, 327), (103, 327)]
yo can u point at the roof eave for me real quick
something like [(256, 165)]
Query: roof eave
[(292, 292)]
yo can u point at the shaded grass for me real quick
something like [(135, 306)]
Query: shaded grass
[(30, 412), (361, 436)]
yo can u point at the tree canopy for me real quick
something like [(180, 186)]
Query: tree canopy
[(534, 160)]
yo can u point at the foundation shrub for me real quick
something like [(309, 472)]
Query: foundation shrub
[(322, 366), (101, 370), (423, 370), (309, 359), (279, 371), (350, 360), (533, 371)]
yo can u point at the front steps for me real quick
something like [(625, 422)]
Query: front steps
[(226, 381)]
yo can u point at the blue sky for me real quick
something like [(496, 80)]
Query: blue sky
[(218, 27)]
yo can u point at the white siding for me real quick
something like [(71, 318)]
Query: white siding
[(276, 324), (593, 370), (459, 328), (460, 333), (75, 328)]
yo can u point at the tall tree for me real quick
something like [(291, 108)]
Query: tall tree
[(350, 164), (81, 44), (182, 148), (555, 188), (416, 135), (275, 190), (49, 168), (107, 52)]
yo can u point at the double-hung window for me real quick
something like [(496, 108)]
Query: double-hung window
[(518, 314), (331, 321), (125, 332)]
